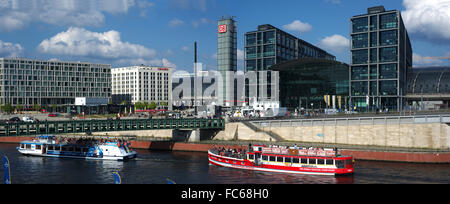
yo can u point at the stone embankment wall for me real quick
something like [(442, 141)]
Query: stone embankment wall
[(417, 135)]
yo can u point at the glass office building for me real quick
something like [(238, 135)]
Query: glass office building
[(381, 56), (25, 82), (304, 83), (269, 45)]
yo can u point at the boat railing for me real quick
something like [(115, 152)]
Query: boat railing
[(300, 151)]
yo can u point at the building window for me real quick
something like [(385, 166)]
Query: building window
[(360, 40), (251, 39), (269, 50), (269, 37), (388, 54), (251, 65), (251, 52), (359, 73), (373, 39), (360, 56), (359, 88), (388, 88), (388, 37), (360, 25), (388, 71), (373, 22), (388, 21)]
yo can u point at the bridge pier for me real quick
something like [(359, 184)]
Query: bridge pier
[(194, 136)]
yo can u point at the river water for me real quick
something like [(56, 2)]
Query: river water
[(154, 167)]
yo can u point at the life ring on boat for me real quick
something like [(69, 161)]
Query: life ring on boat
[(118, 144)]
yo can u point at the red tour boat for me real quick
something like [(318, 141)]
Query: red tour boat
[(295, 160)]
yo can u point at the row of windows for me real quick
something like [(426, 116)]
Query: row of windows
[(381, 88), (57, 68), (386, 54), (385, 21), (310, 161), (386, 38)]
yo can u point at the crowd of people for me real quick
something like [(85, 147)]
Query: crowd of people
[(238, 153)]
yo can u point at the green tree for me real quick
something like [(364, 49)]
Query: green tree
[(36, 107), (152, 105), (139, 105), (7, 108)]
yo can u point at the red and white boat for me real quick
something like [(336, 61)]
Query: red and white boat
[(315, 161)]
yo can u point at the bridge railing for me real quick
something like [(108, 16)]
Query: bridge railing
[(355, 121), (83, 126)]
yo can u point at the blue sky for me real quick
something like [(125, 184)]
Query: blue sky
[(162, 32)]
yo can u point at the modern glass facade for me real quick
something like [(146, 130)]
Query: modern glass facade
[(305, 82), (269, 45), (381, 56)]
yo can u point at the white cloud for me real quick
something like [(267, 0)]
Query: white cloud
[(429, 20), (240, 54), (17, 14), (298, 26), (80, 42), (201, 5), (335, 43), (144, 6), (8, 49), (107, 46), (419, 60), (185, 48), (202, 21), (175, 22)]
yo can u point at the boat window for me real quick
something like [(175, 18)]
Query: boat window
[(296, 160), (85, 150), (251, 156), (329, 162), (304, 161), (348, 162), (340, 164), (320, 161), (272, 158), (279, 159), (265, 158), (63, 149), (312, 161), (77, 149), (38, 146), (22, 146), (50, 147), (288, 159), (28, 146)]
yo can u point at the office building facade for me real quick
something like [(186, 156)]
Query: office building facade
[(144, 84), (227, 59), (304, 83), (26, 83), (269, 45), (381, 56)]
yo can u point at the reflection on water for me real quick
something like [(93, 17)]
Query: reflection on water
[(153, 167)]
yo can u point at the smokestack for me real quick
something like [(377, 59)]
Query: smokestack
[(195, 51)]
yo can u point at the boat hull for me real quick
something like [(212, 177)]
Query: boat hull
[(229, 162), (129, 156)]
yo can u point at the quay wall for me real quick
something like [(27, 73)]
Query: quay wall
[(434, 136)]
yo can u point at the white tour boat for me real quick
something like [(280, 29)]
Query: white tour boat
[(48, 146)]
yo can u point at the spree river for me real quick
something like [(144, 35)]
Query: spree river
[(154, 167)]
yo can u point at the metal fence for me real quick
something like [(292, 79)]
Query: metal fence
[(84, 126), (418, 119)]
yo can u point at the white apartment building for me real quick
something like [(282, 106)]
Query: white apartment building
[(144, 84), (25, 82)]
